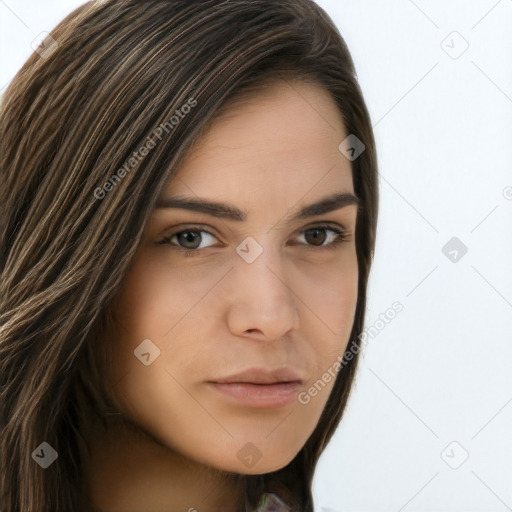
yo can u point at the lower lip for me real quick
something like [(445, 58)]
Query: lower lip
[(260, 395)]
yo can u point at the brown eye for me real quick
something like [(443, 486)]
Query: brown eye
[(323, 237), (315, 236)]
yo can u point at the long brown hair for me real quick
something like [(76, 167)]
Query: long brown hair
[(109, 76)]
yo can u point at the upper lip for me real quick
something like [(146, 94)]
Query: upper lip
[(262, 375)]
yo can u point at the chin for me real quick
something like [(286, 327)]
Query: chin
[(263, 466)]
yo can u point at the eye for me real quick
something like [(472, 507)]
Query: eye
[(188, 239), (316, 238), (323, 237)]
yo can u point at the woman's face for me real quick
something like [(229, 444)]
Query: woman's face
[(253, 287)]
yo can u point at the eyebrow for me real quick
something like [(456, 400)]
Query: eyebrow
[(328, 204)]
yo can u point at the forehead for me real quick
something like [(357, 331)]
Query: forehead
[(281, 140)]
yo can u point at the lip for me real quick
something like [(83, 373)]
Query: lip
[(263, 375), (260, 396), (261, 387)]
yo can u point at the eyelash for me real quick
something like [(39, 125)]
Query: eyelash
[(342, 236)]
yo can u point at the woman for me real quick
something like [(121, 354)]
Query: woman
[(189, 209)]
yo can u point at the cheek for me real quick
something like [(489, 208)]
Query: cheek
[(156, 297), (159, 311), (330, 293), (144, 309), (156, 340), (331, 298)]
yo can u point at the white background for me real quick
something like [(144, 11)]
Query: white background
[(440, 372)]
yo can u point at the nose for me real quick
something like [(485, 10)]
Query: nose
[(261, 300)]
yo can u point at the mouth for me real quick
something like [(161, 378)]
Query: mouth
[(260, 387), (278, 394)]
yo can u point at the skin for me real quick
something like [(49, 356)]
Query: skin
[(212, 314)]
